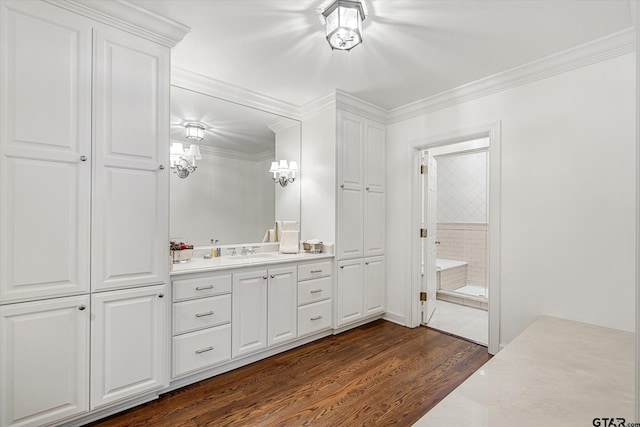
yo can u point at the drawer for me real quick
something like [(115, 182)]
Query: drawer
[(314, 317), (201, 349), (201, 313), (205, 286), (314, 290), (312, 271)]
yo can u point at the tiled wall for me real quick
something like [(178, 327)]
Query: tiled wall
[(465, 242), (462, 187)]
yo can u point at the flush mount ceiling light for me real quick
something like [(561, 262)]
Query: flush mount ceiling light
[(343, 22), (195, 131)]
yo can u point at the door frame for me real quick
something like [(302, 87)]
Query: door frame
[(493, 132)]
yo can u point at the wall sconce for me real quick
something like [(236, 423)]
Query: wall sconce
[(284, 173), (182, 164), (343, 23), (195, 131)]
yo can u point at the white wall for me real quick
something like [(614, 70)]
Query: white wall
[(227, 198), (288, 198), (568, 199)]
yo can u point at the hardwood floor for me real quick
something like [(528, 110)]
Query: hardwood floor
[(377, 374)]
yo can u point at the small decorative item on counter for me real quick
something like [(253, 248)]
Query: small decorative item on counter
[(180, 252), (313, 246)]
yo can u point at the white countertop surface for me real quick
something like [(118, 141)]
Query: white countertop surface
[(199, 265), (556, 373)]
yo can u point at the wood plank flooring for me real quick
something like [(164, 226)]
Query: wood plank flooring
[(377, 374)]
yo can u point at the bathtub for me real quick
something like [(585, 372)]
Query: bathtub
[(451, 274)]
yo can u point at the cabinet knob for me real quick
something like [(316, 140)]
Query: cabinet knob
[(366, 263), (264, 277), (82, 307), (160, 295), (161, 167), (342, 266), (83, 158), (273, 276), (341, 185), (367, 188)]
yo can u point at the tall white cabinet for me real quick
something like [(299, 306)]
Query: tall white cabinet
[(83, 211), (355, 218)]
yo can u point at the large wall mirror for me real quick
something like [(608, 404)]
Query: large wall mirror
[(231, 196)]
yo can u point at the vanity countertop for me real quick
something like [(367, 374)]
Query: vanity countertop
[(556, 373), (199, 265)]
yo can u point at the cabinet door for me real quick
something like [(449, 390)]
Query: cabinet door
[(249, 313), (130, 229), (374, 200), (350, 181), (129, 343), (45, 129), (282, 319), (375, 293), (44, 360), (350, 292)]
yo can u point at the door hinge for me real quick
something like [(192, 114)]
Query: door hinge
[(423, 233), (423, 169), (423, 296)]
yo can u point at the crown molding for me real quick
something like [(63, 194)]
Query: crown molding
[(608, 47), (129, 17), (200, 83), (318, 105), (350, 103), (282, 124)]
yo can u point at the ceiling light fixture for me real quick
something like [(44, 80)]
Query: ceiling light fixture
[(195, 131), (343, 23)]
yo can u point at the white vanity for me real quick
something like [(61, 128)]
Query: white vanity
[(233, 310)]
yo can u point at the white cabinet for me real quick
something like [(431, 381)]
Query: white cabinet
[(361, 289), (44, 361), (361, 180), (45, 187), (315, 291), (131, 197), (350, 304), (264, 309), (375, 297), (128, 343), (201, 322), (249, 324), (282, 317)]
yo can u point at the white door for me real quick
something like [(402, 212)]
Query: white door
[(350, 291), (374, 184), (350, 182), (130, 228), (429, 221), (45, 151), (249, 313), (375, 295), (282, 319), (44, 361), (129, 349)]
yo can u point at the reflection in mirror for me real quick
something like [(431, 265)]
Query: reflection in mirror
[(231, 195)]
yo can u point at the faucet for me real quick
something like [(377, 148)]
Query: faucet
[(244, 250), (252, 250), (234, 251)]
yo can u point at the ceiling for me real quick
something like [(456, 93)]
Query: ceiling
[(412, 48)]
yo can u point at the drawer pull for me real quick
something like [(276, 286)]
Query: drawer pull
[(204, 350), (316, 318), (204, 314), (316, 291), (316, 271), (204, 288)]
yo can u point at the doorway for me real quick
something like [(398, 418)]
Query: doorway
[(454, 254), (456, 251)]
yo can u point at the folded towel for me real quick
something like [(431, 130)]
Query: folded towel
[(289, 225), (289, 242)]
